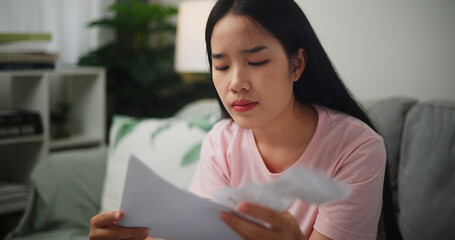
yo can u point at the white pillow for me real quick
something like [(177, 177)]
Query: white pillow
[(202, 107), (161, 143)]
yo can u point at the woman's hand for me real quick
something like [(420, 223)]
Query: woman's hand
[(104, 226), (283, 225)]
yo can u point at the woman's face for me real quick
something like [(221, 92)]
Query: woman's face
[(251, 73)]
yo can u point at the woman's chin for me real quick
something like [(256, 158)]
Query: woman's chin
[(244, 122)]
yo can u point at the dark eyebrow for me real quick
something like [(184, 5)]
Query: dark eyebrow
[(218, 55), (251, 50), (254, 50)]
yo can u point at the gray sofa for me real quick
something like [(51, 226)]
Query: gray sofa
[(420, 143)]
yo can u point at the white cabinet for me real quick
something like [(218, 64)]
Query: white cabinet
[(41, 90), (84, 90)]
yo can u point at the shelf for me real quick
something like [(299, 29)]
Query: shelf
[(13, 207), (42, 91), (74, 142), (86, 71), (77, 71), (24, 73), (22, 139)]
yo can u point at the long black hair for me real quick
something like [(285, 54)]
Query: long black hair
[(319, 83)]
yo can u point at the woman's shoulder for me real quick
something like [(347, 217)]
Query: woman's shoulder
[(225, 124), (225, 127), (225, 131), (345, 124), (354, 145)]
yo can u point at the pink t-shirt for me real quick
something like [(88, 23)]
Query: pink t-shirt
[(343, 147)]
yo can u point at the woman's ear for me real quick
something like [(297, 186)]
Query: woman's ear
[(298, 62)]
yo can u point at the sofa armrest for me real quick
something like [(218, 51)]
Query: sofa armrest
[(66, 190), (389, 115), (426, 179)]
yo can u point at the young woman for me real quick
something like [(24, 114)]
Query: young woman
[(285, 106)]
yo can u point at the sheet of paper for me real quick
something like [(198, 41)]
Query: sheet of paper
[(172, 213), (167, 211), (296, 183), (253, 193), (308, 185)]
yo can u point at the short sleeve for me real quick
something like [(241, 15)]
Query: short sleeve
[(357, 217), (212, 172)]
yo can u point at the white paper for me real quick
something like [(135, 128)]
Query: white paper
[(253, 193), (308, 185), (172, 213), (295, 183), (167, 211)]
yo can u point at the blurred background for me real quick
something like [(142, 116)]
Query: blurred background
[(146, 58), (380, 48), (133, 40)]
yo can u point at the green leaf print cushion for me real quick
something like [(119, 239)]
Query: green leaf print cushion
[(170, 146)]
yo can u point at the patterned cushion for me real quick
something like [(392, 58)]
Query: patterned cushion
[(170, 146)]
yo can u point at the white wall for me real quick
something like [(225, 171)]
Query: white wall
[(66, 19), (380, 48), (388, 48)]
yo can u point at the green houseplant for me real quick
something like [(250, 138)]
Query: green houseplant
[(59, 120), (139, 62)]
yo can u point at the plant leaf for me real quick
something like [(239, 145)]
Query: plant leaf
[(160, 129), (136, 16), (124, 130), (192, 155), (201, 123)]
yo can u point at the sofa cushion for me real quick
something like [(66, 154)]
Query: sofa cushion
[(170, 146), (56, 234), (426, 178), (66, 194), (389, 115)]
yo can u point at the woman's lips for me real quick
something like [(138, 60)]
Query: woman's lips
[(243, 105)]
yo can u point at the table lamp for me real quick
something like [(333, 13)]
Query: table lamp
[(190, 53)]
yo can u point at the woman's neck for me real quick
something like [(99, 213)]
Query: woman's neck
[(283, 142)]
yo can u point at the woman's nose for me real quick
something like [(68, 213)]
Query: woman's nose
[(239, 82)]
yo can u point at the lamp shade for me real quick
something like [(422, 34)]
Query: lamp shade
[(190, 52)]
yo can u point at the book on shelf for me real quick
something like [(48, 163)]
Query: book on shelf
[(19, 122), (13, 206), (18, 195), (26, 66), (24, 41), (22, 51), (24, 47), (8, 37), (28, 57), (13, 197), (10, 188)]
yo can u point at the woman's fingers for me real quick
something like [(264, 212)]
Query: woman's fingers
[(282, 225), (104, 226), (106, 218), (245, 228), (274, 218), (121, 233)]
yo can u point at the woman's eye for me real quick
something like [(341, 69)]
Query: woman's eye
[(221, 68), (258, 63)]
